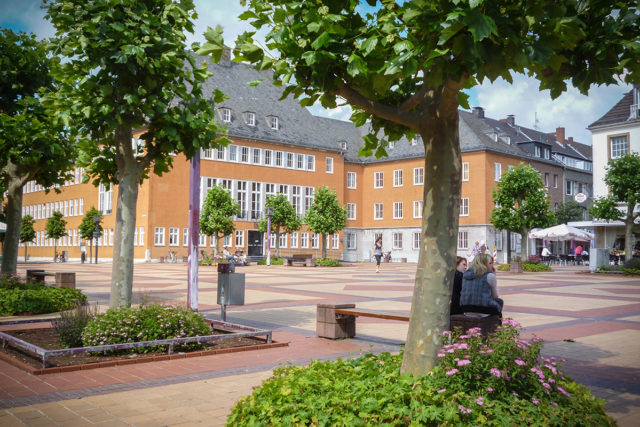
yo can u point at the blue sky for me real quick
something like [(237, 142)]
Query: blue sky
[(572, 110)]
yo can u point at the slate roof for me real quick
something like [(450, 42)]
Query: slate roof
[(619, 113)]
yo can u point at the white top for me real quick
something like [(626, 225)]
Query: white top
[(546, 251), (492, 280)]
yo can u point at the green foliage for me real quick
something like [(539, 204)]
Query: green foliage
[(521, 202), (218, 210), (56, 226), (530, 266), (283, 217), (499, 381), (71, 323), (568, 211), (145, 323), (504, 267), (88, 224), (17, 297), (274, 261), (326, 215), (27, 233), (327, 262)]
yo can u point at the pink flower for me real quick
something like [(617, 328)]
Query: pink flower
[(464, 362), (442, 390), (534, 401), (519, 362), (489, 389), (563, 392), (495, 372), (464, 410), (441, 354), (510, 322), (515, 394), (446, 332), (554, 404), (451, 372), (480, 400)]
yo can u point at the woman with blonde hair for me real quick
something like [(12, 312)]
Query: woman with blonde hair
[(480, 287)]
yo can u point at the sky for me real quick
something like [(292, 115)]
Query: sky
[(532, 108)]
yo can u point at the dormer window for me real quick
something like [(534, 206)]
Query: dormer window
[(392, 144), (414, 141), (343, 145), (226, 114), (251, 118), (537, 150), (273, 122)]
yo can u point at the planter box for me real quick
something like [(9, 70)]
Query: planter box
[(515, 267)]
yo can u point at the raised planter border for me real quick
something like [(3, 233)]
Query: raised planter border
[(219, 325)]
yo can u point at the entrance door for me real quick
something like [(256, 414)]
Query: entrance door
[(254, 245)]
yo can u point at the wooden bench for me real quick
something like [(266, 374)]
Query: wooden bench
[(62, 280), (306, 259), (339, 320)]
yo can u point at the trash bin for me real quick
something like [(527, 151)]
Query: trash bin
[(233, 285)]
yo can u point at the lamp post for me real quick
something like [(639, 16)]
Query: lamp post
[(96, 233), (269, 236)]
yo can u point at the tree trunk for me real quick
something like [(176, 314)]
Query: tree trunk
[(55, 250), (628, 232), (122, 268), (324, 246), (25, 251), (278, 242), (524, 246), (436, 262), (14, 218), (90, 250), (217, 246)]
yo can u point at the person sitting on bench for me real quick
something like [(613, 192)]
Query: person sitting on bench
[(461, 267), (480, 287)]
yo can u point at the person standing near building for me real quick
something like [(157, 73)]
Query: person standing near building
[(377, 252)]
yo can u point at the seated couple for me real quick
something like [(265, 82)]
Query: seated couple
[(476, 290)]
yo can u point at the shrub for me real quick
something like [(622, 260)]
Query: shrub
[(535, 259), (274, 261), (35, 297), (71, 324), (328, 262), (206, 260), (500, 381), (527, 266), (504, 267), (145, 323)]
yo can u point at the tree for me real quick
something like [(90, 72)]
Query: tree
[(521, 203), (326, 215), (27, 233), (623, 180), (55, 229), (32, 145), (403, 68), (218, 211), (126, 68), (283, 217), (88, 227), (568, 211)]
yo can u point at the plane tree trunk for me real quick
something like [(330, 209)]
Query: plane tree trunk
[(18, 178)]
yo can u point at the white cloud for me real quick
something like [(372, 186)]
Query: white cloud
[(571, 110), (25, 15)]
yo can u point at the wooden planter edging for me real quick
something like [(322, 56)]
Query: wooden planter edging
[(228, 329)]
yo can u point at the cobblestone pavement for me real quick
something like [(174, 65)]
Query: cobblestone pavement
[(593, 321)]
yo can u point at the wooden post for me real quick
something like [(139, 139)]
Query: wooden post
[(194, 231)]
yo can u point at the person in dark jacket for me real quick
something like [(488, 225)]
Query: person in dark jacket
[(461, 267), (480, 287)]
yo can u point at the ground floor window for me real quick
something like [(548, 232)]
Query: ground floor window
[(463, 240), (397, 240), (351, 240)]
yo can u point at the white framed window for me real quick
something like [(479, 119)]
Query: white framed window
[(105, 198), (329, 167), (66, 208), (398, 208), (304, 240), (497, 171), (417, 208), (273, 122), (378, 180), (158, 236), (378, 211), (244, 154), (294, 240), (417, 238), (135, 236), (397, 240), (272, 240), (555, 181), (546, 179), (537, 151), (499, 240), (239, 238), (111, 237), (547, 153), (226, 240), (283, 240), (233, 153), (397, 178), (463, 240), (290, 160), (174, 236), (141, 236), (619, 146), (255, 156), (81, 211), (251, 118), (350, 240), (569, 188), (465, 171), (351, 211), (418, 176), (308, 197), (464, 206), (311, 162), (225, 114), (202, 240), (185, 236), (335, 241), (300, 161), (268, 156), (351, 180), (75, 237), (219, 153), (315, 240), (279, 158)]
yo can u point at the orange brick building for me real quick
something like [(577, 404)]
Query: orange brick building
[(279, 147)]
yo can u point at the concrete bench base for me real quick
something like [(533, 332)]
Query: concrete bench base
[(62, 280), (307, 262), (330, 325)]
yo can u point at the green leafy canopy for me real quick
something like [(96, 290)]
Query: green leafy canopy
[(218, 211)]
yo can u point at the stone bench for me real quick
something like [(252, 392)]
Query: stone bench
[(62, 280), (339, 320), (305, 259)]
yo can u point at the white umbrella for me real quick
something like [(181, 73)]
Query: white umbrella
[(3, 227), (561, 232)]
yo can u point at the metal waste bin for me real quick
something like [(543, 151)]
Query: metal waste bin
[(233, 285)]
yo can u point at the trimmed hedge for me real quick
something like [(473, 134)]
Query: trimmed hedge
[(17, 297)]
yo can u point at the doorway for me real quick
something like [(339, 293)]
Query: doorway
[(254, 244)]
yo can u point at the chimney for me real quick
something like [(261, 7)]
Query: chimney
[(560, 135), (511, 120), (478, 112), (570, 141)]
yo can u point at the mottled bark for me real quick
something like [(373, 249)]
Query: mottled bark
[(628, 232), (14, 216), (436, 262), (524, 246), (324, 246), (277, 242)]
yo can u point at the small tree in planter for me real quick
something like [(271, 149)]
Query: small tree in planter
[(521, 204), (326, 215), (27, 233), (283, 217), (88, 226), (56, 228), (217, 214)]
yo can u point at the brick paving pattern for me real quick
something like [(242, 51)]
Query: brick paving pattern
[(593, 321)]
